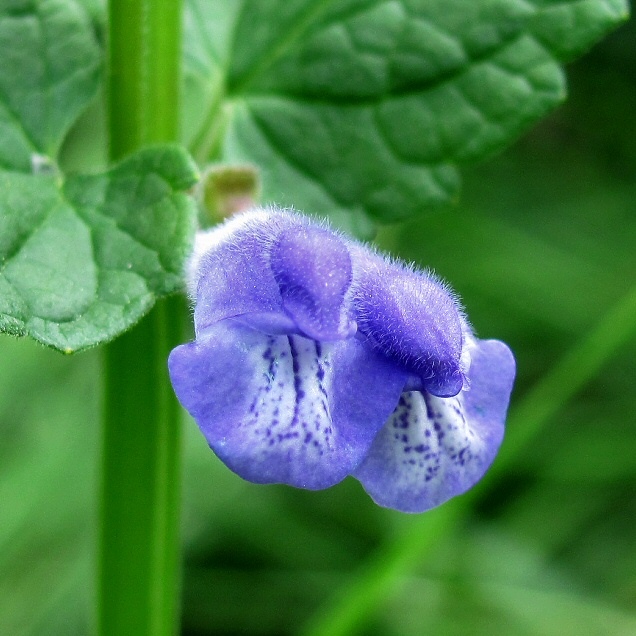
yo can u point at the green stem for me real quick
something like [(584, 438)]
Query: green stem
[(139, 547), (138, 579), (350, 608), (144, 56)]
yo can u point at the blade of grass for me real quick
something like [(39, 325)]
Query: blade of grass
[(350, 608)]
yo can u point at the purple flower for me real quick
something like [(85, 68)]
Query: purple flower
[(316, 358)]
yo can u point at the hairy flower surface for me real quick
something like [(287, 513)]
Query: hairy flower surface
[(316, 358)]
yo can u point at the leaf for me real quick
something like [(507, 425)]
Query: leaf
[(83, 258), (50, 71), (82, 261), (568, 28), (368, 107)]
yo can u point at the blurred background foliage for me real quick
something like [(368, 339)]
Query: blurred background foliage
[(540, 247)]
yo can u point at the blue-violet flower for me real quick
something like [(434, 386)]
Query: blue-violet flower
[(316, 358)]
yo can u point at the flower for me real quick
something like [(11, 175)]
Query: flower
[(316, 358)]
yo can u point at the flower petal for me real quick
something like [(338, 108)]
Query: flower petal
[(412, 318), (275, 271), (231, 277), (285, 409), (313, 269), (433, 448)]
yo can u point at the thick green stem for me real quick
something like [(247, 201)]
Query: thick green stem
[(138, 559), (144, 56), (139, 538)]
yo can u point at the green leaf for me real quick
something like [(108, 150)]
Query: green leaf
[(367, 108), (50, 71), (83, 260), (568, 28)]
